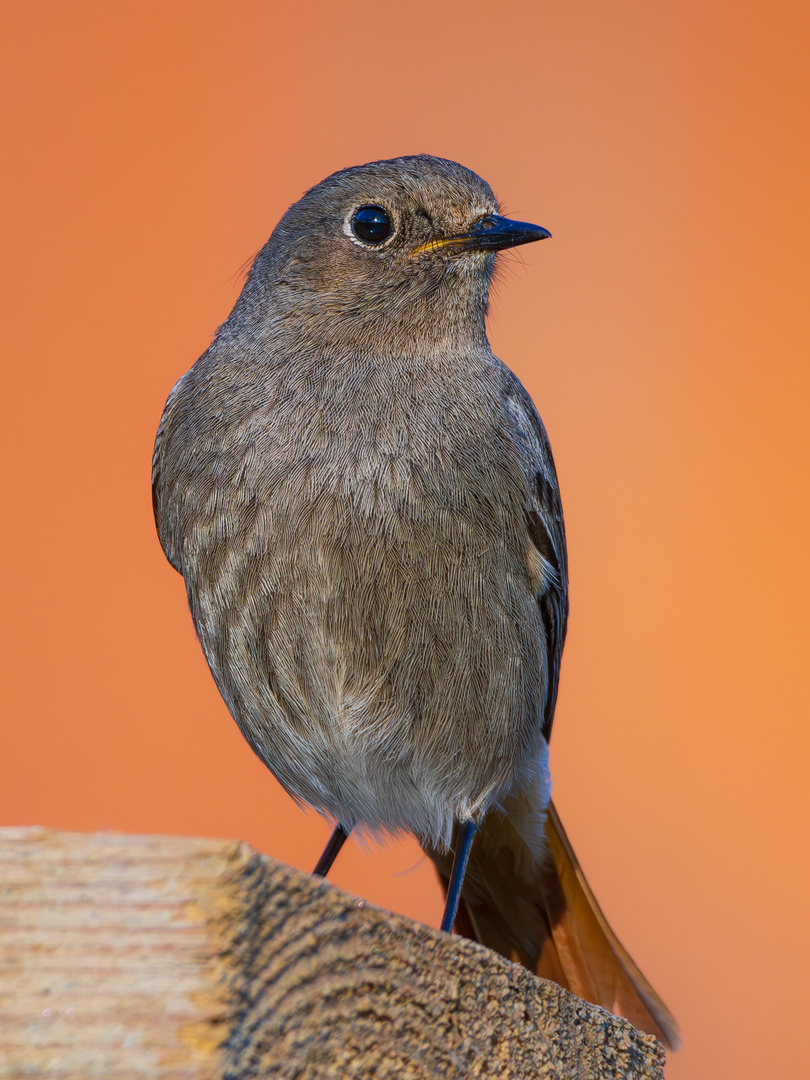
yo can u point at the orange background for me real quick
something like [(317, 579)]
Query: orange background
[(663, 332)]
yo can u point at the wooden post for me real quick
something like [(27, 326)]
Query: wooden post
[(176, 958)]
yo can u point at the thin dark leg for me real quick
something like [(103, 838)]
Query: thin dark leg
[(330, 852), (464, 838)]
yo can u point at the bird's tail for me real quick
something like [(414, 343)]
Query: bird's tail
[(526, 897)]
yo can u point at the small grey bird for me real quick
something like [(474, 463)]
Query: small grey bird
[(362, 501)]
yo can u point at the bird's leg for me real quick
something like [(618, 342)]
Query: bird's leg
[(464, 838), (330, 852)]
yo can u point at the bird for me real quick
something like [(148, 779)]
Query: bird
[(362, 501)]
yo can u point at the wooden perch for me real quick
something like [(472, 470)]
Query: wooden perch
[(175, 958)]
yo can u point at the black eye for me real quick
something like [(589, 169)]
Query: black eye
[(371, 224)]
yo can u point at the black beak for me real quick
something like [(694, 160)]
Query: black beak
[(493, 233)]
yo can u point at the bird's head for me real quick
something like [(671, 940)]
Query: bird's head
[(395, 252)]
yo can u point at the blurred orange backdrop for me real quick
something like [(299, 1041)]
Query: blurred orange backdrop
[(151, 148)]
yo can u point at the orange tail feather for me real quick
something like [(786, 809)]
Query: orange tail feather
[(526, 897)]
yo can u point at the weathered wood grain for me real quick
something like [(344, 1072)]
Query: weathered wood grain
[(178, 959)]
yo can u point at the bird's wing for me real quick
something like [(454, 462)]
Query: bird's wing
[(167, 542), (544, 521)]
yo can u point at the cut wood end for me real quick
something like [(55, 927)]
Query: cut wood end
[(179, 957)]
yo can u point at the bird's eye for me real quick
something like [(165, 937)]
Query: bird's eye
[(371, 224)]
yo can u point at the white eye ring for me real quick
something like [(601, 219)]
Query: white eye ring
[(379, 219)]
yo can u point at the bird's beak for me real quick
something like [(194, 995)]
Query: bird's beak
[(491, 233)]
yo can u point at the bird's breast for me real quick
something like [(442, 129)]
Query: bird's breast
[(358, 579)]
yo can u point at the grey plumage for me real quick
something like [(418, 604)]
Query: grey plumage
[(350, 484), (362, 501)]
